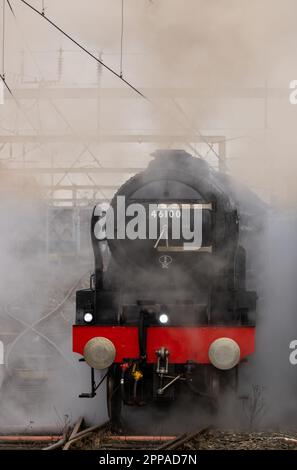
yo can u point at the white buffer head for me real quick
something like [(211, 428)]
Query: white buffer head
[(99, 352), (224, 353)]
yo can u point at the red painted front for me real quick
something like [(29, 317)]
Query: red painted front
[(183, 343)]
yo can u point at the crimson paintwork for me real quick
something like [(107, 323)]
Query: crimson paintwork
[(183, 343)]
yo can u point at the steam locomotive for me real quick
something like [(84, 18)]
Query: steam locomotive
[(167, 311)]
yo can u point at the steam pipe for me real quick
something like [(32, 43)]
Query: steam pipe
[(27, 438)]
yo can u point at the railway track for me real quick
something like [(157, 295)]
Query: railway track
[(105, 440), (151, 442), (100, 438)]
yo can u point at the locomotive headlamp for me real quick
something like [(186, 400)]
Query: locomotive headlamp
[(163, 318), (88, 317), (224, 353), (99, 352)]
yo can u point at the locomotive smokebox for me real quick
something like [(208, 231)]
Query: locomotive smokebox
[(99, 352)]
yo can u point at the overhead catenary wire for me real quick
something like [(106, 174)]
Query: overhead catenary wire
[(38, 333), (9, 4), (2, 75), (100, 62), (3, 38), (122, 37), (86, 146), (84, 49), (39, 70), (42, 319)]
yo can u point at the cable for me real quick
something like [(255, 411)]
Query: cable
[(86, 146), (9, 4), (5, 84), (84, 49), (40, 320), (41, 335), (99, 61), (122, 35), (2, 76), (3, 39)]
